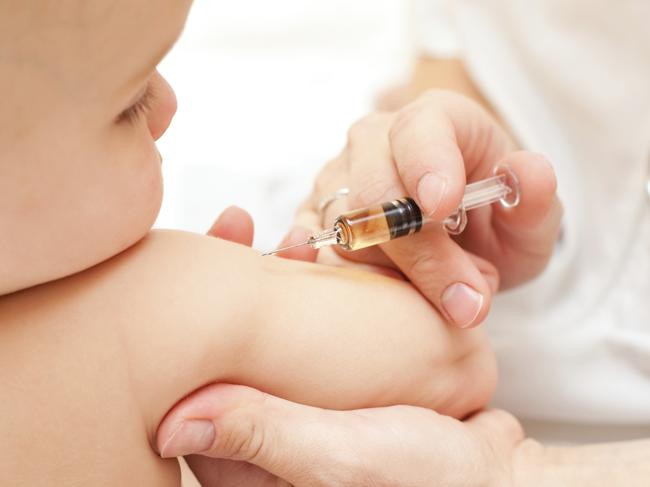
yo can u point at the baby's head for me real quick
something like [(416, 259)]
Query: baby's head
[(82, 106)]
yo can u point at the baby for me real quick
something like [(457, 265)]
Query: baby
[(105, 325)]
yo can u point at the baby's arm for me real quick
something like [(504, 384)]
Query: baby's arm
[(314, 334), (90, 364)]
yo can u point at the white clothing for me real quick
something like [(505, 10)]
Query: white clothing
[(572, 80)]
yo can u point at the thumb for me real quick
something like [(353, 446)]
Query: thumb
[(240, 423)]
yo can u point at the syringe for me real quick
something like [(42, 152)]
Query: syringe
[(366, 227)]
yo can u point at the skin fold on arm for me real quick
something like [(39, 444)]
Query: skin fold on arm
[(90, 364)]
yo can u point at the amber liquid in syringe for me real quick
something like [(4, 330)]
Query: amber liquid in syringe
[(363, 228)]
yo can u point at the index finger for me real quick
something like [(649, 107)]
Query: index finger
[(436, 265), (438, 143)]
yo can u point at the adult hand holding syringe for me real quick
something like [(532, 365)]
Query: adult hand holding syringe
[(365, 227), (429, 151)]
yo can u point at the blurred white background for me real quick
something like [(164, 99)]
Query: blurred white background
[(267, 91)]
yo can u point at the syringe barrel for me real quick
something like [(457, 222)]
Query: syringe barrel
[(366, 227)]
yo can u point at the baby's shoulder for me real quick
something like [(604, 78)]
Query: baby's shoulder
[(162, 268)]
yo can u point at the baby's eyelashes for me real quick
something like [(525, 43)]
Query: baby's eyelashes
[(140, 108)]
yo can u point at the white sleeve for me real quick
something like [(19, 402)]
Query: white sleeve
[(435, 32)]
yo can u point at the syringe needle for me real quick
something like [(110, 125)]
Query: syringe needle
[(289, 247), (322, 239)]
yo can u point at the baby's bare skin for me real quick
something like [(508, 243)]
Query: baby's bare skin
[(105, 326), (90, 364)]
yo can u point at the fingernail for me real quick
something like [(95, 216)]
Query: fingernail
[(431, 189), (192, 436), (462, 304)]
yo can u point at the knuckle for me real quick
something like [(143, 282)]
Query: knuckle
[(401, 121), (356, 130), (422, 267), (509, 424), (352, 469), (372, 188), (440, 97), (244, 439), (326, 178), (304, 208), (320, 184), (407, 115), (367, 125), (433, 95), (430, 101)]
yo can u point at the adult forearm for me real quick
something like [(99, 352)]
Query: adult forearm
[(437, 74), (433, 73), (603, 465), (445, 74)]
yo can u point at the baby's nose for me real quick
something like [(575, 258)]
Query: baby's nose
[(164, 106)]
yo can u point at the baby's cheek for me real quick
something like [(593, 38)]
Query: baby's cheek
[(152, 183), (131, 187), (145, 186)]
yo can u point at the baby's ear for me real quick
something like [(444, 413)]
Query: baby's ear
[(234, 225)]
